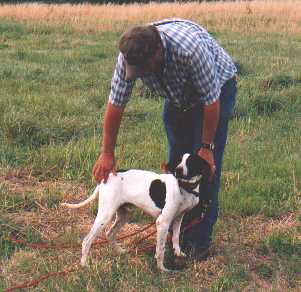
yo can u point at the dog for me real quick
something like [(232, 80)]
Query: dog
[(165, 197)]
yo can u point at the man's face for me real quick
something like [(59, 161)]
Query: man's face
[(156, 64)]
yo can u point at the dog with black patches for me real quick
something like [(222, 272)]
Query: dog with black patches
[(165, 197)]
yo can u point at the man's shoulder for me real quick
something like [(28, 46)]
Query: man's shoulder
[(175, 21), (180, 34)]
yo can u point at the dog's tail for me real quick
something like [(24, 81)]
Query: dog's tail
[(84, 203)]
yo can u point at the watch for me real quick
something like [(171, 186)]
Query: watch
[(207, 146)]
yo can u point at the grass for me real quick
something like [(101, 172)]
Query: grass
[(55, 77)]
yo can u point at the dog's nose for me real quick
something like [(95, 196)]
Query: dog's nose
[(179, 172)]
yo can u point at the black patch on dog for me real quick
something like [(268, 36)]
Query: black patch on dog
[(196, 166), (157, 192)]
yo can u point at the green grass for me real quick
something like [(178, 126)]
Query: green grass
[(54, 87)]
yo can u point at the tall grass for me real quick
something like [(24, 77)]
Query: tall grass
[(237, 16)]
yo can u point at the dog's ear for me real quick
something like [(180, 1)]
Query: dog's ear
[(197, 165)]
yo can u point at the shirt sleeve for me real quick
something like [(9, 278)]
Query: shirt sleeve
[(202, 69), (121, 89)]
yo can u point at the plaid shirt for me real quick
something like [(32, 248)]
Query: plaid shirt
[(196, 67)]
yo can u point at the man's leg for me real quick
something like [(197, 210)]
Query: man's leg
[(200, 234), (184, 135), (177, 135)]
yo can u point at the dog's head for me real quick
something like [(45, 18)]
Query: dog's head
[(191, 169), (191, 166)]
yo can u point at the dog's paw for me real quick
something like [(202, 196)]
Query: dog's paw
[(180, 254), (119, 250), (83, 262), (165, 270)]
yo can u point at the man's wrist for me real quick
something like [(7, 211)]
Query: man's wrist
[(107, 152), (209, 146)]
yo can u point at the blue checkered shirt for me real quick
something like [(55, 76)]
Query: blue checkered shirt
[(196, 67)]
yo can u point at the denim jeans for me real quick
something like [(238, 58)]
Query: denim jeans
[(184, 130)]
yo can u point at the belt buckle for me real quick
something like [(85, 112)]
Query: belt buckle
[(187, 108)]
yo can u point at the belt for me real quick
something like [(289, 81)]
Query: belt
[(184, 108)]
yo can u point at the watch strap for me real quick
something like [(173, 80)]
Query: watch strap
[(207, 146)]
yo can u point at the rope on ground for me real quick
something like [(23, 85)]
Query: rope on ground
[(66, 246), (62, 273), (37, 281)]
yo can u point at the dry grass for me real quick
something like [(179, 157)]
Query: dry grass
[(245, 17)]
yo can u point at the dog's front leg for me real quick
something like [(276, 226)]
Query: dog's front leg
[(176, 235), (162, 229)]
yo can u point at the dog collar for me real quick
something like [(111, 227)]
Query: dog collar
[(189, 187)]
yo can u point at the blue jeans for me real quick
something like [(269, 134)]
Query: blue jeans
[(184, 130)]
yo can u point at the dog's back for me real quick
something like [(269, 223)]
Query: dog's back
[(137, 187)]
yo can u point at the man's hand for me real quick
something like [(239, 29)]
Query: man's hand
[(164, 167), (106, 161), (103, 166), (207, 155)]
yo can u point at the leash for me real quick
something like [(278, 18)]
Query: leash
[(74, 246), (65, 272), (37, 281)]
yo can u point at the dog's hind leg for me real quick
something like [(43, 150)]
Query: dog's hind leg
[(176, 235), (101, 221), (162, 230), (122, 216)]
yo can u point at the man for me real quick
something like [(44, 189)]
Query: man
[(179, 60)]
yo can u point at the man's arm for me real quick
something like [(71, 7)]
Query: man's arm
[(106, 161), (202, 66), (119, 95), (210, 122)]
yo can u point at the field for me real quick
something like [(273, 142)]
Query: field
[(56, 67)]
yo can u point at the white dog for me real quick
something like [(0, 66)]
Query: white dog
[(165, 197)]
